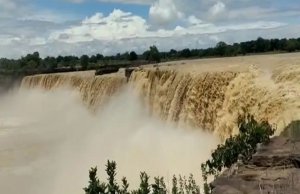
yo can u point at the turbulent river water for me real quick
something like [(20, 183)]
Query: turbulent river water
[(57, 126), (49, 140)]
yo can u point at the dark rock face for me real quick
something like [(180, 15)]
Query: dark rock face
[(107, 70), (273, 169), (278, 153)]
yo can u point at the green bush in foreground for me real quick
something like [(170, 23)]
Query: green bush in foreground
[(95, 187), (251, 133), (185, 186)]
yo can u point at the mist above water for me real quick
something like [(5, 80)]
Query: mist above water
[(49, 140)]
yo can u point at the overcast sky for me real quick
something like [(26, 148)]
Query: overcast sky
[(64, 27)]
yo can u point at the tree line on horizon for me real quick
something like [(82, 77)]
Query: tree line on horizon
[(33, 63)]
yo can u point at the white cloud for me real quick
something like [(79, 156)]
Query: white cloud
[(117, 25), (193, 20), (217, 8), (6, 40), (95, 19), (164, 11), (141, 2), (171, 24), (7, 5), (48, 16), (12, 8), (120, 25), (55, 48)]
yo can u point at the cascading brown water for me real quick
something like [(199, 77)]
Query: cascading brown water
[(208, 100), (215, 101), (93, 90), (194, 100)]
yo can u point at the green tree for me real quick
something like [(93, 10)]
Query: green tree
[(175, 189), (251, 133), (99, 57), (191, 186), (31, 61), (173, 53), (95, 187), (146, 55), (50, 63), (112, 185), (31, 64), (133, 56), (181, 184), (36, 58), (144, 185), (274, 44), (124, 56), (282, 44), (154, 55), (93, 59), (84, 61), (221, 48), (125, 186), (159, 186), (185, 53), (292, 45)]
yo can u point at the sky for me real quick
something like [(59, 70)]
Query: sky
[(76, 27)]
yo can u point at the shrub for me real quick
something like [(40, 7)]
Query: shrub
[(174, 185), (95, 187), (144, 186), (125, 186), (251, 133), (158, 187), (112, 185)]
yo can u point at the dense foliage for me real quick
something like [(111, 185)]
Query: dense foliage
[(33, 63), (183, 186), (244, 144), (95, 187)]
